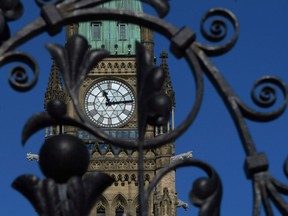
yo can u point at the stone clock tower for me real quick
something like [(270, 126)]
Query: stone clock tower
[(108, 98)]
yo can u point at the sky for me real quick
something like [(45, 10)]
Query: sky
[(261, 50)]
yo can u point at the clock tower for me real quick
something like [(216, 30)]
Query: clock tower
[(109, 100)]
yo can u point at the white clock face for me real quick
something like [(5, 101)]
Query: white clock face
[(109, 103)]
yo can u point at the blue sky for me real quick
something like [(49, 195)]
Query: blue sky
[(261, 49)]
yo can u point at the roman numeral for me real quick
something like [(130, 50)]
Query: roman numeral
[(126, 112), (93, 112), (126, 94), (109, 85), (119, 119), (100, 119)]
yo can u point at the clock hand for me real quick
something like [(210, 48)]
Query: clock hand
[(118, 102), (105, 94)]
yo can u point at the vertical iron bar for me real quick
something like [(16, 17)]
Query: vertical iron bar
[(143, 207)]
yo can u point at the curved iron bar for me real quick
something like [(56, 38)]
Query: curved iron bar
[(218, 31), (19, 78), (206, 192), (181, 40), (266, 98)]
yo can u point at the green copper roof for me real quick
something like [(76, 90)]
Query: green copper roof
[(116, 37)]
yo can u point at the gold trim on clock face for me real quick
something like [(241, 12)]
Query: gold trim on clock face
[(109, 103)]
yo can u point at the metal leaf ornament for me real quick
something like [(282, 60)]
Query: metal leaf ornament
[(75, 61), (9, 10), (64, 192), (154, 106), (76, 198)]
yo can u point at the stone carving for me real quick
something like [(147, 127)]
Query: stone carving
[(182, 204), (187, 155), (119, 164), (87, 82), (32, 157)]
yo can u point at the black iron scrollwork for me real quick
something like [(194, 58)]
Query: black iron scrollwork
[(75, 61), (218, 30), (266, 97), (19, 76), (161, 6)]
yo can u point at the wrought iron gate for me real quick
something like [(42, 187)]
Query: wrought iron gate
[(76, 195)]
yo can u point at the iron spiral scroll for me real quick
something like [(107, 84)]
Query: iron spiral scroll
[(74, 196)]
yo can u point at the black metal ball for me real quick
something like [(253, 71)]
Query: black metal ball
[(202, 189), (159, 108), (62, 157), (57, 108)]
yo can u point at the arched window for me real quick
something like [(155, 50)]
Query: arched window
[(102, 65), (120, 205), (101, 211), (119, 211), (133, 177), (116, 65), (129, 65), (123, 65), (122, 31), (96, 30), (147, 178)]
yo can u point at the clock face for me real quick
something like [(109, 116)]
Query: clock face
[(109, 103)]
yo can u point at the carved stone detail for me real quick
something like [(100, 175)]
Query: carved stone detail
[(183, 156), (112, 65), (124, 165), (150, 154), (32, 157), (87, 82)]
